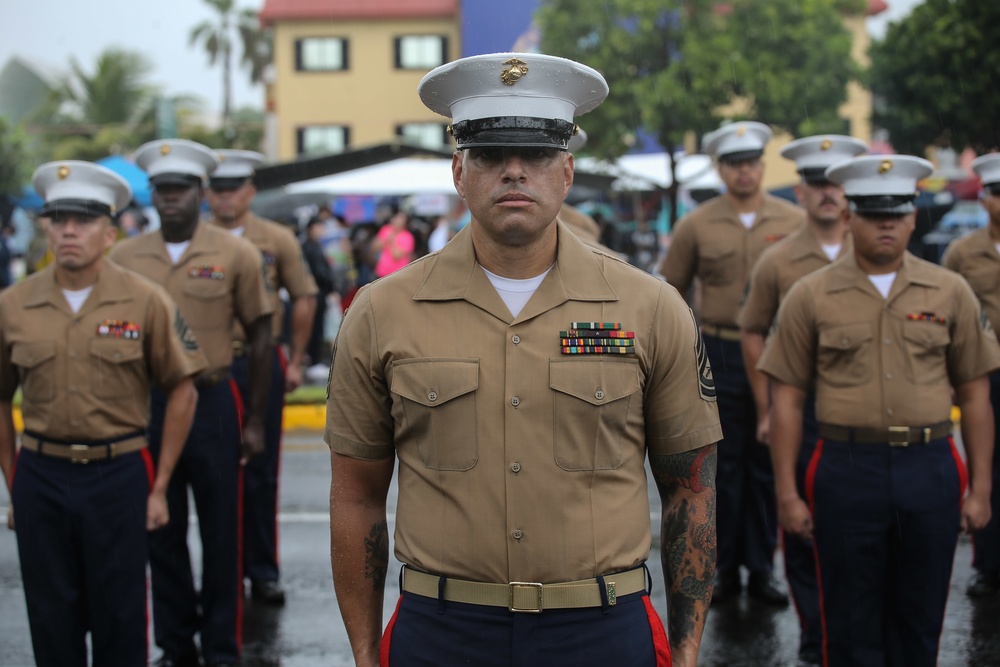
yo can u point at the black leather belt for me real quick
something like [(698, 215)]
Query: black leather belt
[(526, 596), (723, 333), (84, 451), (896, 436)]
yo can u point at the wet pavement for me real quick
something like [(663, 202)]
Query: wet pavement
[(308, 632)]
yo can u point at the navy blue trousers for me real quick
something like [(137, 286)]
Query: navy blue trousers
[(210, 467), (747, 513), (81, 537), (800, 557), (886, 526), (986, 542), (260, 491), (424, 633)]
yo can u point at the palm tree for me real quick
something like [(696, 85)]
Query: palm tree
[(216, 37)]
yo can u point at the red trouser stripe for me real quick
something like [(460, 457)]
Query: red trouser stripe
[(811, 499), (660, 643), (963, 472), (147, 458), (238, 401), (383, 649)]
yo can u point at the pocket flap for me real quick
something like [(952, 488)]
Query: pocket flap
[(717, 251), (433, 382), (29, 355), (845, 337), (926, 334), (597, 382), (115, 351)]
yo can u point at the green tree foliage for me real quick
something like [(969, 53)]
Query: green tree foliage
[(13, 159), (217, 39), (672, 65), (936, 77)]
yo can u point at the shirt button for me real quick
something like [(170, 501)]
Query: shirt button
[(888, 411), (599, 395), (75, 422), (515, 401), (845, 340), (432, 396), (515, 467), (887, 341), (515, 339), (888, 376), (72, 354), (72, 389), (517, 534), (118, 355)]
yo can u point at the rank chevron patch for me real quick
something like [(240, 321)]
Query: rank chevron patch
[(706, 383)]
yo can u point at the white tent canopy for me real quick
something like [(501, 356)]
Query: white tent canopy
[(650, 170), (406, 176)]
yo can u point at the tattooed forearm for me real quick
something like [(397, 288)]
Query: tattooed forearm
[(686, 483), (377, 555)]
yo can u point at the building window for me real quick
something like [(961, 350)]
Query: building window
[(421, 51), (428, 135), (320, 54), (322, 139)]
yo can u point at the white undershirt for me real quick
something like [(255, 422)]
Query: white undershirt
[(75, 298), (748, 219), (515, 293), (883, 283), (175, 250), (831, 250), (238, 231)]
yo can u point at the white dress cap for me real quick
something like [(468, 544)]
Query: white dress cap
[(988, 168), (237, 164), (512, 99), (176, 160), (880, 184), (737, 141), (812, 155), (80, 187)]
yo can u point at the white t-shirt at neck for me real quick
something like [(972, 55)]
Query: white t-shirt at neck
[(515, 293), (883, 283), (76, 298)]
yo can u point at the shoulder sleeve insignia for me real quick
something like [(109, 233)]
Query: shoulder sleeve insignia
[(706, 383), (183, 332)]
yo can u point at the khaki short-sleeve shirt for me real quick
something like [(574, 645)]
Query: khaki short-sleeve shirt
[(975, 257), (219, 278), (87, 375), (776, 271), (283, 263), (518, 462), (712, 244), (881, 362)]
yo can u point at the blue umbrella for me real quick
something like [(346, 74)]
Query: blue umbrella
[(135, 176)]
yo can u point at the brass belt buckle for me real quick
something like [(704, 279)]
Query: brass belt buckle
[(899, 436), (525, 584), (81, 450)]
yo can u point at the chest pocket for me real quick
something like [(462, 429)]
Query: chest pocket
[(119, 370), (845, 355), (206, 304), (590, 411), (37, 365), (437, 410), (717, 263), (926, 348), (983, 277)]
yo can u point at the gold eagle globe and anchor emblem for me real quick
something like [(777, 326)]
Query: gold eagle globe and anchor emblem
[(515, 71), (885, 166)]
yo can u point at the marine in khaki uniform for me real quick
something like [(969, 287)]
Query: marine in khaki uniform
[(230, 191), (819, 242), (884, 337), (86, 340), (718, 243), (977, 258), (216, 279), (521, 378)]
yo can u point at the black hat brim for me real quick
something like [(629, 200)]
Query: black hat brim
[(883, 205), (82, 206), (513, 131), (227, 183), (175, 179), (740, 156)]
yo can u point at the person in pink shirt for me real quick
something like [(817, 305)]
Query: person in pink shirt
[(394, 244)]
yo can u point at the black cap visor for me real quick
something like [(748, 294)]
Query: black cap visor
[(815, 176), (992, 188), (885, 206), (228, 183), (82, 206), (188, 180), (740, 156), (513, 131)]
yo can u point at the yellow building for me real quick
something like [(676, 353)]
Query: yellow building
[(339, 69)]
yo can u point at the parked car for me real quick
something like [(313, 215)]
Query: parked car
[(964, 217)]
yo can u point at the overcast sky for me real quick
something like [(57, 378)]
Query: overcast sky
[(52, 31)]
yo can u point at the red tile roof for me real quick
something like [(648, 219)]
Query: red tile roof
[(275, 10)]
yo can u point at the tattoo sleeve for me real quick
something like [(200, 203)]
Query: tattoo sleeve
[(686, 483), (377, 555)]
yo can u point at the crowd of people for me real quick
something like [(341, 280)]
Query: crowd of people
[(795, 367)]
